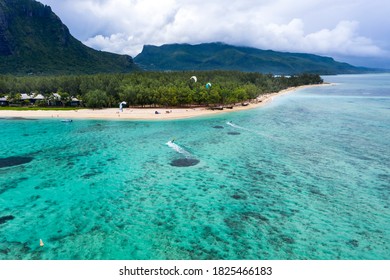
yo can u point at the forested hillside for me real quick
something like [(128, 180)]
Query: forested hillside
[(212, 56), (33, 40)]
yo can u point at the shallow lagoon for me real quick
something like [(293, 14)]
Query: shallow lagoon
[(305, 177)]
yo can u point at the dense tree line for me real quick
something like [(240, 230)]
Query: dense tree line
[(154, 88)]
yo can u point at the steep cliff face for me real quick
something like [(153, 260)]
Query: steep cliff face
[(34, 40), (5, 44), (28, 26)]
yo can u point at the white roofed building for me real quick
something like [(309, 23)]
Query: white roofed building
[(32, 98), (4, 101)]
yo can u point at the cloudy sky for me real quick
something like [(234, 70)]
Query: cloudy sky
[(354, 31)]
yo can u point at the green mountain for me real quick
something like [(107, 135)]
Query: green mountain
[(34, 40), (212, 56)]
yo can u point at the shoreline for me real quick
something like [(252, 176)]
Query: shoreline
[(145, 113)]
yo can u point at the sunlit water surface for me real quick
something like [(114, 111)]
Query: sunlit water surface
[(305, 177)]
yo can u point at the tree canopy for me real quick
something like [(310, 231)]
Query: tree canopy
[(155, 88)]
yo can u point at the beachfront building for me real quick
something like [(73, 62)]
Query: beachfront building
[(75, 102), (4, 101), (31, 98), (54, 100)]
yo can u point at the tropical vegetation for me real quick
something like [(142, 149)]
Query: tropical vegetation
[(152, 89)]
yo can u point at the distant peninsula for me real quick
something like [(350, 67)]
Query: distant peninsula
[(220, 56)]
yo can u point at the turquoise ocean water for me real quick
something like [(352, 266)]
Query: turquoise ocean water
[(305, 177)]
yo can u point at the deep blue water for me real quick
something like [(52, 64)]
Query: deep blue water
[(305, 177)]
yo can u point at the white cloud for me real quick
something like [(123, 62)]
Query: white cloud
[(124, 26), (343, 39), (117, 43)]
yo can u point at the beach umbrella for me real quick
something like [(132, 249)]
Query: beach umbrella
[(208, 85), (194, 79)]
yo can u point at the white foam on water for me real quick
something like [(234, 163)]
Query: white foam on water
[(178, 149), (243, 128), (249, 130)]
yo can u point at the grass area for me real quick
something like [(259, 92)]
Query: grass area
[(10, 108)]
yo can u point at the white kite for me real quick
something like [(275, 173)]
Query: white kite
[(121, 105)]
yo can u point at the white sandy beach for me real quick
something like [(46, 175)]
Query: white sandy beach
[(142, 113)]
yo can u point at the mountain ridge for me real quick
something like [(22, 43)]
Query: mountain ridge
[(33, 40), (221, 56)]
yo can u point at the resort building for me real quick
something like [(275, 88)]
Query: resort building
[(54, 99), (4, 101), (32, 98), (75, 102)]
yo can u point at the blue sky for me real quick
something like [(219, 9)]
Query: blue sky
[(354, 31)]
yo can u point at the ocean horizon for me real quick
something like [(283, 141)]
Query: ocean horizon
[(306, 177)]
